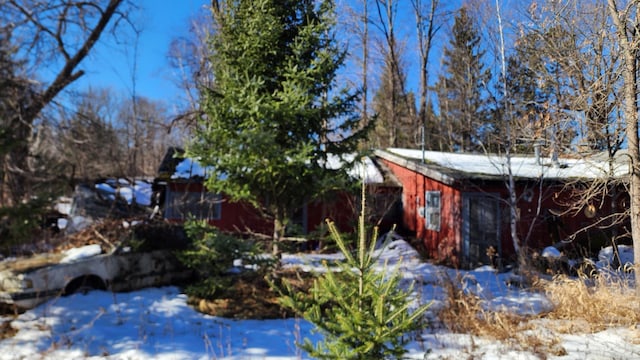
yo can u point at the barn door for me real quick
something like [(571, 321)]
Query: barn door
[(481, 228)]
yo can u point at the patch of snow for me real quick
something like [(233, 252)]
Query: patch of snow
[(142, 193), (77, 223), (139, 192), (607, 257), (551, 252), (364, 169), (127, 224), (83, 252), (158, 323), (62, 223), (63, 205)]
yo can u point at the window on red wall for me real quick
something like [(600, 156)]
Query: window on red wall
[(432, 210), (198, 205)]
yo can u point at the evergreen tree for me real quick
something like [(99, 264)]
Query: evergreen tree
[(462, 87), (274, 113), (363, 313), (395, 110)]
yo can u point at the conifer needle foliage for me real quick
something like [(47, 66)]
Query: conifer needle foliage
[(362, 312), (277, 109)]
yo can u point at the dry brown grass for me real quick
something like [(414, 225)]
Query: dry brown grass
[(464, 313), (251, 296), (6, 330), (592, 304), (582, 305)]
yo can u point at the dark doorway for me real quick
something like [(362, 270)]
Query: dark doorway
[(480, 229)]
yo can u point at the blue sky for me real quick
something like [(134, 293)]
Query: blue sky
[(112, 64), (161, 21)]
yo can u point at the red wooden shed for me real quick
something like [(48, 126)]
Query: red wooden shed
[(456, 204), (179, 193)]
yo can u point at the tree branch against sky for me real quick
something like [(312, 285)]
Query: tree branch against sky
[(55, 36), (429, 20)]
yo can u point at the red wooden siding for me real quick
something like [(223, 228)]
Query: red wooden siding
[(441, 245), (234, 216), (341, 208), (540, 224)]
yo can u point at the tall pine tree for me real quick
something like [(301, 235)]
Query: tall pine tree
[(275, 112), (462, 87)]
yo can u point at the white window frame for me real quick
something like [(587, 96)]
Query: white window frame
[(432, 210)]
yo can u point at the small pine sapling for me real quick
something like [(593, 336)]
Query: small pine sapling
[(362, 312)]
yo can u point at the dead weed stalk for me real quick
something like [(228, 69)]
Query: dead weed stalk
[(594, 303), (465, 313)]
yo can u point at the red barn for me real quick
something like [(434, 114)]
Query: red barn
[(457, 204), (180, 193)]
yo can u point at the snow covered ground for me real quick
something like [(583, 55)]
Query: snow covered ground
[(157, 323)]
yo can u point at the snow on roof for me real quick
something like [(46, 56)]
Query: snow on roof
[(189, 168), (364, 169), (476, 165)]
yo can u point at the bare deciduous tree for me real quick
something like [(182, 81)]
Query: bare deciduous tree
[(54, 35), (87, 142), (189, 56), (427, 25), (145, 134), (626, 21), (395, 98)]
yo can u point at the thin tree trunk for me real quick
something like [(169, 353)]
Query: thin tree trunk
[(425, 40), (628, 46), (278, 231), (365, 62), (511, 185)]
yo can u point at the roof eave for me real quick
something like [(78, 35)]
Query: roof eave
[(416, 166)]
